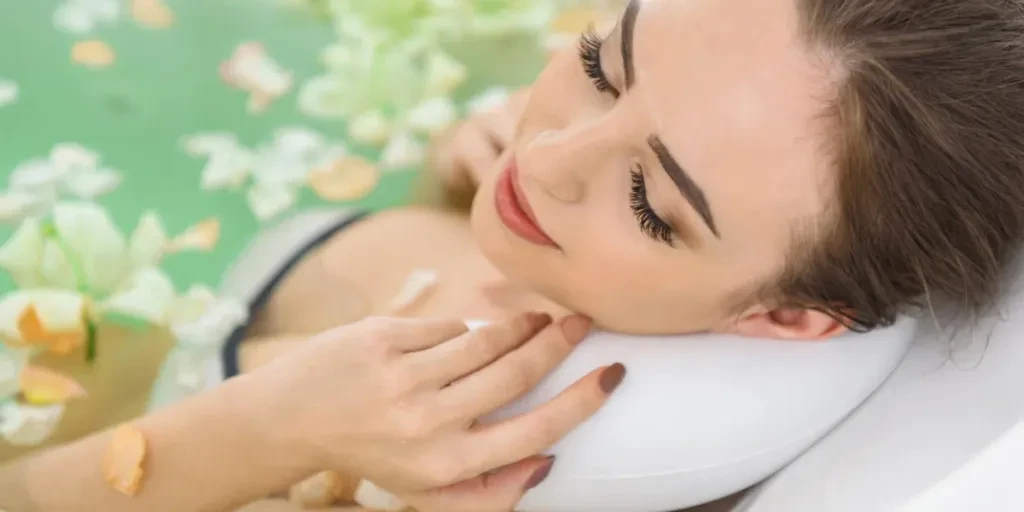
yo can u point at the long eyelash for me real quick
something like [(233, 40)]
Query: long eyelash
[(650, 223), (590, 55)]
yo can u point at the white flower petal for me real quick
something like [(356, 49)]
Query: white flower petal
[(275, 169), (11, 364), (267, 202), (21, 253), (489, 100), (404, 151), (74, 18), (27, 425), (90, 184), (16, 205), (58, 310), (148, 296), (35, 175), (71, 157), (227, 169), (206, 144), (297, 140), (370, 128), (95, 242), (106, 11), (147, 243), (328, 156), (372, 497), (199, 319), (433, 116), (8, 92), (323, 97), (444, 74), (55, 269)]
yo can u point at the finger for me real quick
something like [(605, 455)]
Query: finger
[(515, 373), (534, 432), (473, 154), (468, 353), (409, 334), (498, 491)]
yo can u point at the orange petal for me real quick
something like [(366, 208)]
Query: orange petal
[(202, 236), (33, 332), (152, 13), (42, 386), (345, 179), (92, 53), (122, 463)]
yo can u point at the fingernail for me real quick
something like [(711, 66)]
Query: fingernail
[(611, 377), (539, 320), (540, 473), (575, 328)]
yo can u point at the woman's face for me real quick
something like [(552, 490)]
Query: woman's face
[(665, 173)]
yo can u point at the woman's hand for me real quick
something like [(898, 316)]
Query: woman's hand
[(463, 156), (396, 401)]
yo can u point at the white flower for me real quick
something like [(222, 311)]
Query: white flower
[(433, 116), (279, 169), (70, 170), (404, 151), (11, 363), (83, 16), (267, 202), (8, 92), (199, 318), (371, 127), (27, 425)]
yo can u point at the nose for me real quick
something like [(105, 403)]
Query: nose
[(563, 162)]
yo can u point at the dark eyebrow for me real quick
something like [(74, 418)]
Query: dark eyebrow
[(687, 187), (628, 25)]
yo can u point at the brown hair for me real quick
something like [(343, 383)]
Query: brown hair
[(928, 140)]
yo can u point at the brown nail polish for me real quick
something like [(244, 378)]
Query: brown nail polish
[(611, 377), (539, 320), (575, 328), (540, 473)]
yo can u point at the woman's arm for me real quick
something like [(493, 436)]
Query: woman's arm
[(213, 452)]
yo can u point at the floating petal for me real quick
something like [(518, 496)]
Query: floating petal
[(8, 92), (201, 237), (206, 144), (93, 54), (267, 202), (348, 179), (42, 386)]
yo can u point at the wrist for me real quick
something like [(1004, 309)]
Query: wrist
[(265, 425)]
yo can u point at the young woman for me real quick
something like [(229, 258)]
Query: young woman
[(784, 168)]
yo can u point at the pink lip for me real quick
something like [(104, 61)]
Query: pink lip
[(515, 211)]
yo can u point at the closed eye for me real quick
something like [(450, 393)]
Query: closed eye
[(590, 56)]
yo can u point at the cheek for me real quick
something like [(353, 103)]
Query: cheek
[(558, 92)]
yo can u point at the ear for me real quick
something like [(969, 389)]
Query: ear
[(787, 324)]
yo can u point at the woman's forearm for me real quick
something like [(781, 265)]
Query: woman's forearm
[(213, 452)]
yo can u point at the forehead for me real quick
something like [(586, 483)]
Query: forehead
[(738, 100)]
